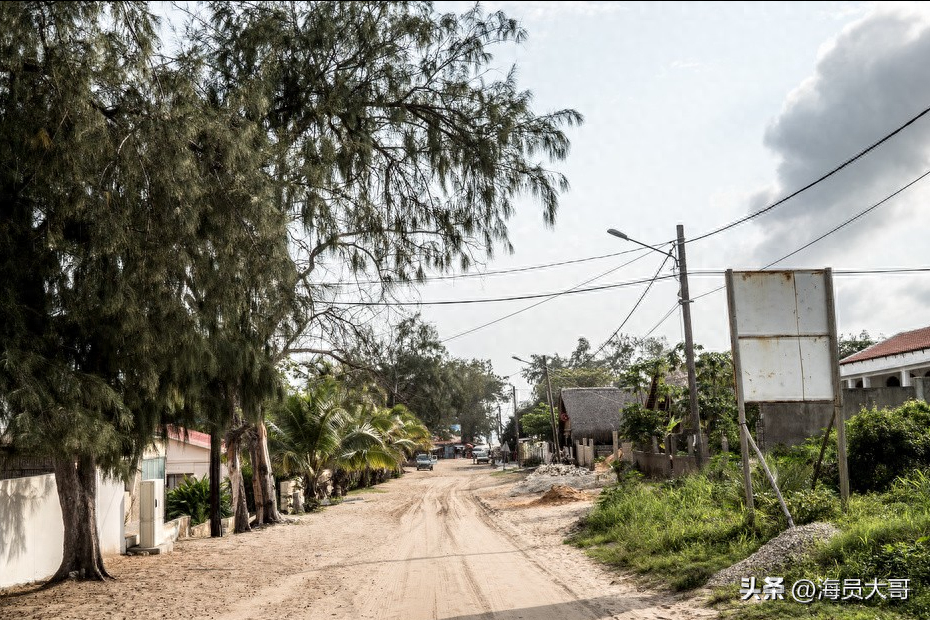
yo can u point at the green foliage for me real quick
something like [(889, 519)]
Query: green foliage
[(537, 423), (851, 343), (414, 369), (682, 531), (639, 424), (805, 505), (717, 398), (322, 429), (192, 498), (679, 532), (885, 443)]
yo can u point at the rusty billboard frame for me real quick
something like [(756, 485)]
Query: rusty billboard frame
[(772, 315)]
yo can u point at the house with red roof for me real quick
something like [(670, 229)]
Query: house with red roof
[(893, 362), (187, 453)]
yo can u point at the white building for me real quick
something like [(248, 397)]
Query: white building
[(889, 363)]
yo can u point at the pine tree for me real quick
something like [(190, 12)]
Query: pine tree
[(96, 189)]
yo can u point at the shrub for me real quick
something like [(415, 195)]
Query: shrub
[(885, 443), (192, 497), (807, 506), (640, 424)]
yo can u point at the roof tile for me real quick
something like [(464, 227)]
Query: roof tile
[(914, 340)]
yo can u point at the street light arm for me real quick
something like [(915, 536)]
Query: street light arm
[(617, 233)]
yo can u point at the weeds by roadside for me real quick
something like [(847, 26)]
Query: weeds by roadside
[(683, 531)]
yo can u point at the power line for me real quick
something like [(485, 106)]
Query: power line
[(852, 219), (486, 273), (835, 229), (530, 307), (635, 306), (664, 319), (829, 174)]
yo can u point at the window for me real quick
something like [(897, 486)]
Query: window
[(893, 382), (153, 469), (174, 480)]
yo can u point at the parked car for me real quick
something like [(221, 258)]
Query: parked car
[(480, 456), (424, 461), (434, 459)]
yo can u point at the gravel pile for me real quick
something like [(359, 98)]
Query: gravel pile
[(547, 476), (787, 547)]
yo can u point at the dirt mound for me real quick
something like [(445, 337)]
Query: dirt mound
[(560, 494)]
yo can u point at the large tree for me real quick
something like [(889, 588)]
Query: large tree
[(391, 149), (136, 187), (101, 188)]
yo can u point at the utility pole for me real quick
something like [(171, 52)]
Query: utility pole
[(516, 423), (555, 428), (500, 429), (689, 349)]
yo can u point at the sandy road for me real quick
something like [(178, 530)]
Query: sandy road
[(441, 545)]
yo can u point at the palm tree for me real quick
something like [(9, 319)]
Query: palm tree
[(306, 432), (314, 431)]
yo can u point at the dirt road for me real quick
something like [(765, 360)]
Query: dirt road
[(447, 544)]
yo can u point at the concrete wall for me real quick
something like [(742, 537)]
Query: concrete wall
[(32, 533), (790, 424), (663, 466), (185, 458)]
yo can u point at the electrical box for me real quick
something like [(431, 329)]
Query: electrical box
[(152, 513)]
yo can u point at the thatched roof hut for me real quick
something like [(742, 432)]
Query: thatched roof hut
[(592, 413)]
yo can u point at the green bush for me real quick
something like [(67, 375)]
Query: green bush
[(885, 443), (808, 506), (192, 498), (640, 424)]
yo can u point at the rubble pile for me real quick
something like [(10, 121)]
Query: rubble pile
[(557, 469), (547, 476)]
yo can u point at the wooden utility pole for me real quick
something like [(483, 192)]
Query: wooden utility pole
[(689, 350), (555, 427), (516, 423)]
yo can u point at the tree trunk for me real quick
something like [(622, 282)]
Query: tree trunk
[(216, 515), (237, 486), (77, 494), (263, 479), (234, 465), (258, 490)]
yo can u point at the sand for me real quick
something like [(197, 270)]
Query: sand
[(446, 544)]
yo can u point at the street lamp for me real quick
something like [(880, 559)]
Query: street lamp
[(555, 432), (685, 302)]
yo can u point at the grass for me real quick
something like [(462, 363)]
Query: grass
[(680, 533), (363, 490)]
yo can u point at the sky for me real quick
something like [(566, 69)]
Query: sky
[(699, 114)]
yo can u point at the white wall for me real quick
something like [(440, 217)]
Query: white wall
[(186, 458), (32, 533)]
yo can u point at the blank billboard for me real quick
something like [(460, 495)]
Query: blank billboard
[(783, 330)]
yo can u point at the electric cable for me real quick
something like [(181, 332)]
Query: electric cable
[(635, 306), (829, 174)]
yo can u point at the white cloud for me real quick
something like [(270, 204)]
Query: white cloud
[(869, 81)]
